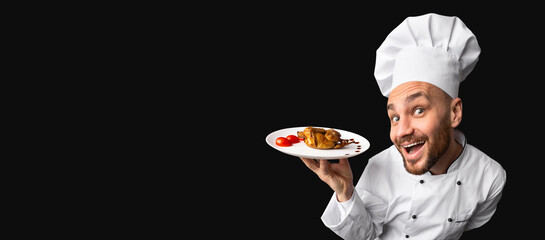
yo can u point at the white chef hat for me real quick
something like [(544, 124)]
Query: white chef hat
[(431, 48)]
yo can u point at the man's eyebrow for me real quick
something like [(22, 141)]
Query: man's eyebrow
[(416, 95), (409, 99), (390, 106)]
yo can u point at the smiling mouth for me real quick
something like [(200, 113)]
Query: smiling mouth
[(413, 147)]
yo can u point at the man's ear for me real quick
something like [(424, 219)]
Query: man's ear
[(456, 112)]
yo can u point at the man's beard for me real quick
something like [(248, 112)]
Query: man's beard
[(436, 148)]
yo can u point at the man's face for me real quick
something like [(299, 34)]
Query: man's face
[(420, 124)]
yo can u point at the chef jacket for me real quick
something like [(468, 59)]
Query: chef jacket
[(390, 203)]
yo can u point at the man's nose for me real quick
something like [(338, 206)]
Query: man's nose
[(404, 128)]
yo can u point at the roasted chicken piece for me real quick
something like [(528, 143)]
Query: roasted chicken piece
[(322, 139)]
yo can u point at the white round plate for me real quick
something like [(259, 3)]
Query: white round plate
[(300, 149)]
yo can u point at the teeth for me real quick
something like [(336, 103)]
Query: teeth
[(413, 144)]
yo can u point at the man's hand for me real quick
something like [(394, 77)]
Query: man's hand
[(337, 176)]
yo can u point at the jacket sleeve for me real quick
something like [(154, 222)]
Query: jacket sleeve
[(361, 217)]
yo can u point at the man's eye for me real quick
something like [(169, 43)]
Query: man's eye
[(418, 111), (395, 119)]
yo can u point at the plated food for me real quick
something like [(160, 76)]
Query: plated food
[(349, 145), (323, 139)]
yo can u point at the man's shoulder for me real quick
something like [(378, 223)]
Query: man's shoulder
[(479, 159), (492, 174), (385, 158), (381, 171)]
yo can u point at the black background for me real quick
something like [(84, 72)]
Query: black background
[(278, 67)]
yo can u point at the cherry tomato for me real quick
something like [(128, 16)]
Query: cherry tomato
[(293, 138), (283, 142)]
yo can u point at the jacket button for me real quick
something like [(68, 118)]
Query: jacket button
[(421, 181), (413, 216), (449, 219), (459, 183), (406, 236)]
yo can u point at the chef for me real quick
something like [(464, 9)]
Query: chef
[(431, 183)]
